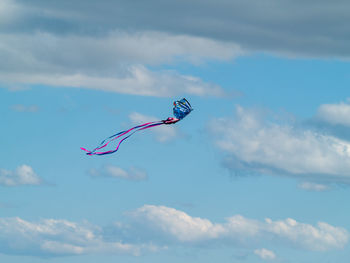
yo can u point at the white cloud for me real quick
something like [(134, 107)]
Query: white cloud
[(182, 227), (264, 253), (310, 186), (24, 108), (335, 114), (133, 174), (318, 238), (258, 145), (163, 133), (23, 175), (177, 224), (114, 62), (51, 237)]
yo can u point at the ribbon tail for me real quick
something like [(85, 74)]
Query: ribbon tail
[(118, 135)]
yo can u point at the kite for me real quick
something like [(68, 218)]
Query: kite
[(181, 109)]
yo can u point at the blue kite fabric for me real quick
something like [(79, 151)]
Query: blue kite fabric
[(181, 109)]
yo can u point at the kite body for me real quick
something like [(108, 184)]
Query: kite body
[(181, 109)]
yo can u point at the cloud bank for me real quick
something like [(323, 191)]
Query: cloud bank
[(151, 228), (95, 45), (116, 62), (51, 237), (181, 227), (284, 27)]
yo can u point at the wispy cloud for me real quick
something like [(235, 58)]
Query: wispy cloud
[(264, 253), (25, 108), (257, 145), (133, 174), (310, 186), (163, 133), (23, 175)]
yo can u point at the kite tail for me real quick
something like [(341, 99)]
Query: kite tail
[(128, 133)]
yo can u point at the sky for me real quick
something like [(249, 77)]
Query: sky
[(258, 172)]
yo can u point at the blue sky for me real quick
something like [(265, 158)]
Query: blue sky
[(258, 172)]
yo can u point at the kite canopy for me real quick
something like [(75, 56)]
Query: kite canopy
[(182, 108)]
